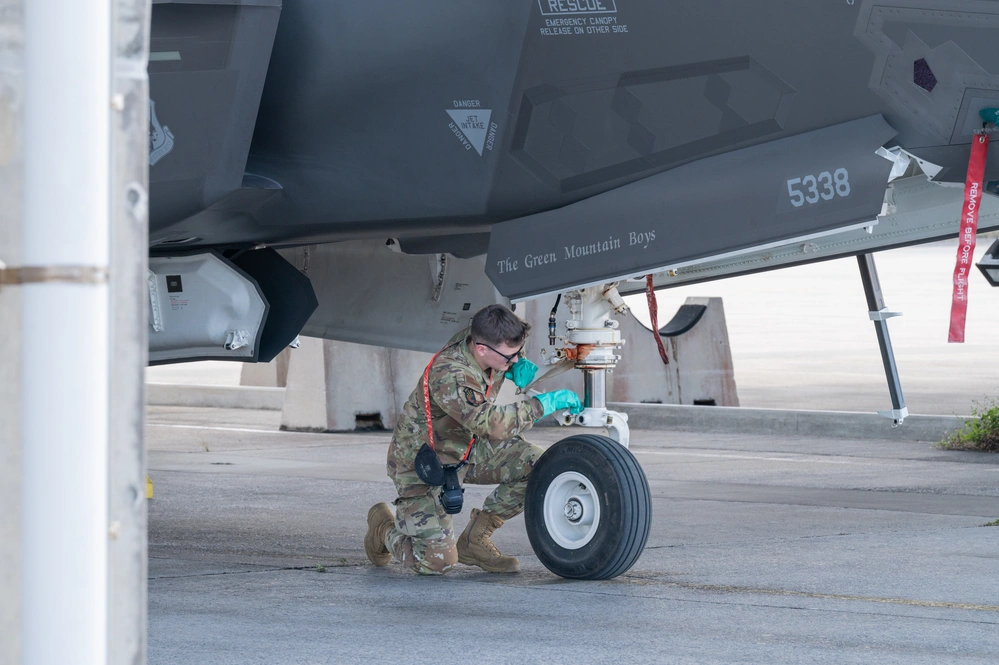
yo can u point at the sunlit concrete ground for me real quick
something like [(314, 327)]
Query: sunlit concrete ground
[(763, 549)]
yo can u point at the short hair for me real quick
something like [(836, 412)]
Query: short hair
[(495, 324)]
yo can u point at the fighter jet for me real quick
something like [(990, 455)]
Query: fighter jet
[(425, 160), (376, 172)]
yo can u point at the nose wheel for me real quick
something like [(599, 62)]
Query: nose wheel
[(588, 508)]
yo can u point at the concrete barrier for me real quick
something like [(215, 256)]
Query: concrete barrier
[(305, 393), (221, 397), (268, 375), (341, 386), (666, 417), (700, 369)]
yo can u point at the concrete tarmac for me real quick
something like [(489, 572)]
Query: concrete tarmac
[(764, 549)]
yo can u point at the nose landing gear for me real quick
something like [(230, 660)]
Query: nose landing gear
[(588, 507)]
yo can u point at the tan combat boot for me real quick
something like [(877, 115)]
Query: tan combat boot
[(380, 520), (475, 548)]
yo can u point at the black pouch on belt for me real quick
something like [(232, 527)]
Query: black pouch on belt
[(452, 494), (428, 467)]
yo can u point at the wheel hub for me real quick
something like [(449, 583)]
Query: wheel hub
[(574, 510)]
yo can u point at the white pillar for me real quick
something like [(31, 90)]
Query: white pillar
[(67, 58), (11, 196), (127, 554)]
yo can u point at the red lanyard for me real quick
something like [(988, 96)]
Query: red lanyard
[(426, 405), (966, 239)]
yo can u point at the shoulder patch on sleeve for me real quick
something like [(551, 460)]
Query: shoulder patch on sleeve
[(473, 397)]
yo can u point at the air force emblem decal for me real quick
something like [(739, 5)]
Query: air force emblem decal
[(474, 398), (160, 137)]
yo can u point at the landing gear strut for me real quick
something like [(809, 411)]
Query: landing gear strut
[(591, 342), (879, 315)]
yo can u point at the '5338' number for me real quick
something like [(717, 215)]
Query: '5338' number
[(824, 187)]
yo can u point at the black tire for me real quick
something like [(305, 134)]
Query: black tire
[(619, 502)]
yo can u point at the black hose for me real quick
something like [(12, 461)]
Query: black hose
[(551, 321)]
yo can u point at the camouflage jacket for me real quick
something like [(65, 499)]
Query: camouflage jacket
[(462, 405)]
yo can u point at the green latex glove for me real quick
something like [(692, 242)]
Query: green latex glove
[(559, 399), (522, 372)]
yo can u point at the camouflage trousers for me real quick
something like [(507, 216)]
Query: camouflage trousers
[(423, 537)]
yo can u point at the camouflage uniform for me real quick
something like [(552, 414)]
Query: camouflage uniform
[(461, 406)]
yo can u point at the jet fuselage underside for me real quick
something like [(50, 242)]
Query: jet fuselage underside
[(431, 123)]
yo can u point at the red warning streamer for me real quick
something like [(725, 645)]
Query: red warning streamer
[(654, 315), (966, 240)]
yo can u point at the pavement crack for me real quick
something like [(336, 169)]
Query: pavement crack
[(214, 574), (252, 568)]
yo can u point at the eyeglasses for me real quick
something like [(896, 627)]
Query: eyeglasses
[(509, 358)]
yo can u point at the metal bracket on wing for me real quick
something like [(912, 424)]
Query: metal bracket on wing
[(883, 315), (236, 339)]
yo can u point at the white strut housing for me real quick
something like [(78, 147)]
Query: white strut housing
[(595, 338)]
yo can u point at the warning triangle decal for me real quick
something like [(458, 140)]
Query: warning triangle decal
[(473, 123)]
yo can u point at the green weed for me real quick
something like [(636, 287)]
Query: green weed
[(980, 433)]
